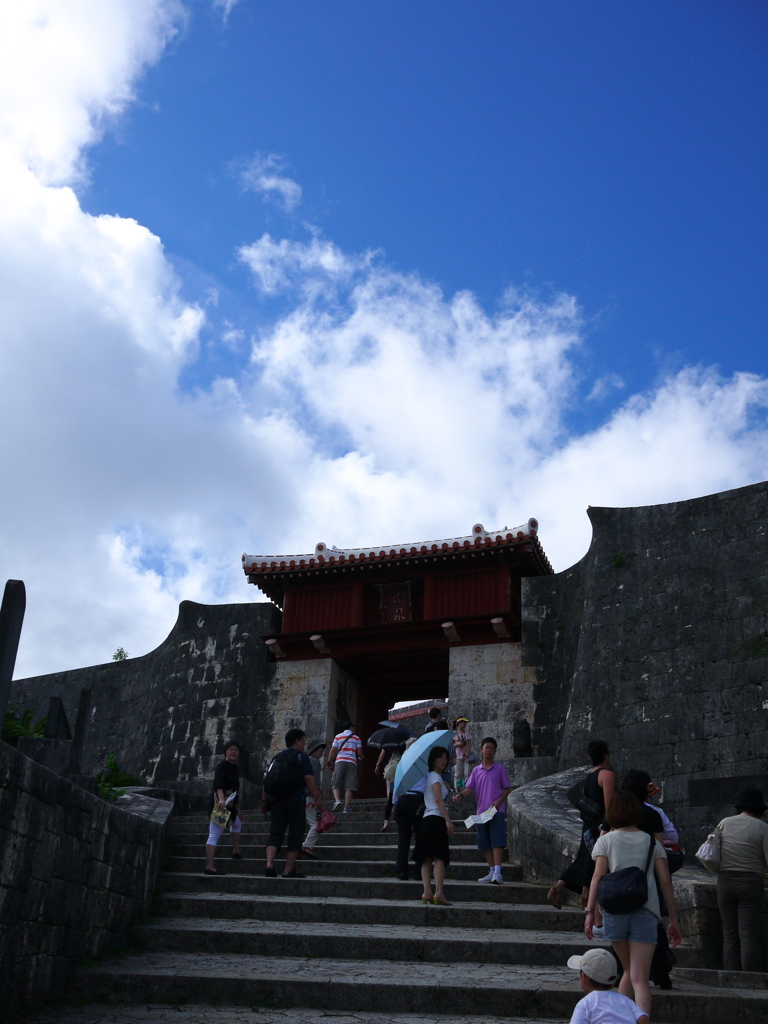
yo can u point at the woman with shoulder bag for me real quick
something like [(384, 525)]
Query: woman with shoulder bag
[(627, 863)]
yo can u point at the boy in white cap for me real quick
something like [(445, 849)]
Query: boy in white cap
[(599, 973)]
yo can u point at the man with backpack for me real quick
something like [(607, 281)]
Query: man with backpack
[(286, 781)]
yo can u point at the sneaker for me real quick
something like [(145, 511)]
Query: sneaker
[(345, 811), (486, 878), (497, 879), (336, 805)]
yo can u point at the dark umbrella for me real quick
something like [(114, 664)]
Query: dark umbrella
[(391, 725), (392, 736)]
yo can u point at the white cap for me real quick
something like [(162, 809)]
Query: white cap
[(597, 964)]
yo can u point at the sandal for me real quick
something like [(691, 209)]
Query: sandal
[(427, 900), (213, 871), (553, 896), (441, 901)]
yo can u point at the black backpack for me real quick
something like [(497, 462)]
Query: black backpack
[(625, 890), (284, 776)]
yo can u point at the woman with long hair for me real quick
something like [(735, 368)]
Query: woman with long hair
[(633, 934), (432, 854)]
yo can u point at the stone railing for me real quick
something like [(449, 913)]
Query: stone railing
[(76, 873)]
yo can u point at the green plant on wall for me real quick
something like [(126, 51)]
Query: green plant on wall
[(120, 654), (618, 560), (112, 778), (15, 726)]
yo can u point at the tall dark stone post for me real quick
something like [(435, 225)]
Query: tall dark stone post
[(83, 708), (11, 619)]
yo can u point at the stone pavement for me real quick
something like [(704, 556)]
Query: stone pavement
[(351, 941), (249, 1015)]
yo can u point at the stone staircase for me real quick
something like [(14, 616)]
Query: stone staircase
[(353, 943)]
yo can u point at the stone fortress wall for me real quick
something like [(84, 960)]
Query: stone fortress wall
[(76, 873), (166, 715), (657, 641)]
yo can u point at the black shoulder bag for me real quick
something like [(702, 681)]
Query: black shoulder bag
[(625, 890)]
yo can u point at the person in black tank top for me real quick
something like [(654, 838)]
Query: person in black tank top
[(599, 786)]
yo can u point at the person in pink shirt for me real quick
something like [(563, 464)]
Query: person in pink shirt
[(490, 782)]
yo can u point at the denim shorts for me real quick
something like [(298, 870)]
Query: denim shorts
[(492, 833), (639, 926)]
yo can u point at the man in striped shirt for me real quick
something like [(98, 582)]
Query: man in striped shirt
[(346, 754)]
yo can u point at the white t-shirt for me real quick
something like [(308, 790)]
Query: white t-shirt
[(430, 804), (606, 1007), (630, 850)]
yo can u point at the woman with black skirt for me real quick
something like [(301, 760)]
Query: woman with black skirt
[(432, 854)]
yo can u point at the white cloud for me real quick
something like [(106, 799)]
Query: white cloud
[(312, 266), (376, 410), (604, 386), (263, 173), (68, 69), (225, 6)]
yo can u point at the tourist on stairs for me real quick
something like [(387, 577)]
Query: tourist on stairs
[(490, 781), (346, 754), (599, 787), (631, 929), (432, 854), (226, 782), (315, 755), (286, 781), (740, 892)]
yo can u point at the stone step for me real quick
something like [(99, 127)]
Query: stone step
[(325, 851), (346, 887), (351, 986), (334, 837), (199, 1013), (259, 825), (369, 816), (459, 870), (408, 910), (413, 943)]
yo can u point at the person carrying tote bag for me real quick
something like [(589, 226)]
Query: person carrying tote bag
[(632, 933)]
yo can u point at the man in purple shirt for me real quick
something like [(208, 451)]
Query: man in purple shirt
[(490, 782)]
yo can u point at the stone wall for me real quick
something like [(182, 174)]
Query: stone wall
[(657, 641), (489, 685), (166, 715), (316, 695), (76, 872)]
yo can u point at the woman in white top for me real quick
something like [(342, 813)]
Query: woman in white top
[(740, 892), (632, 935), (432, 853)]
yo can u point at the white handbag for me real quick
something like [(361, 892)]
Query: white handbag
[(708, 854)]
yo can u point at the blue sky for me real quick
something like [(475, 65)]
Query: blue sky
[(363, 273), (617, 152)]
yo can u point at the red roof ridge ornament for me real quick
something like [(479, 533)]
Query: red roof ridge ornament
[(325, 555)]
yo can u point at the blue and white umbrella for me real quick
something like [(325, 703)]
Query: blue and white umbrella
[(413, 764)]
